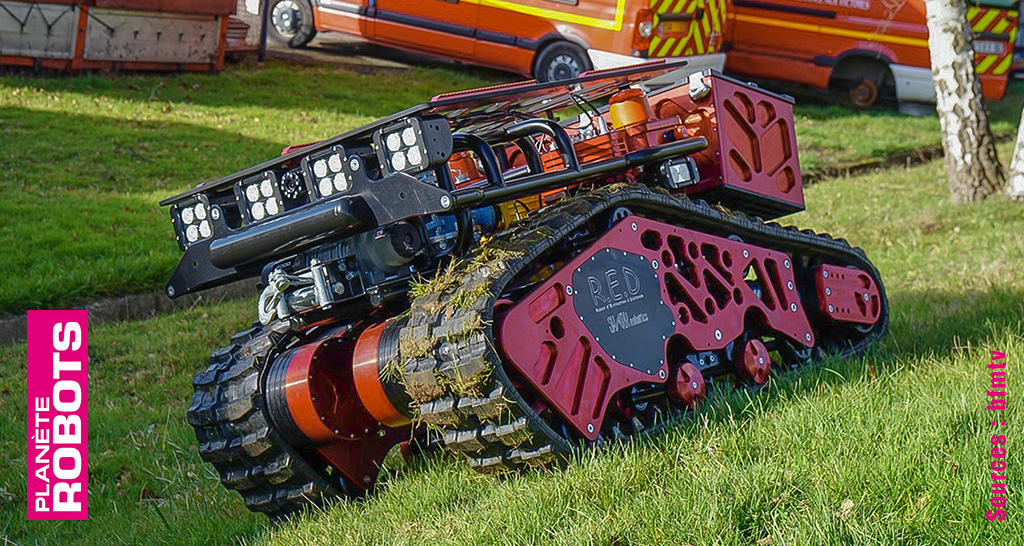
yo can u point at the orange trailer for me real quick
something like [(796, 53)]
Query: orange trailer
[(115, 34)]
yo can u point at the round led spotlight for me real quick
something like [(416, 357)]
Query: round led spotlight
[(409, 136), (414, 156), (334, 163), (326, 187), (398, 161), (394, 142)]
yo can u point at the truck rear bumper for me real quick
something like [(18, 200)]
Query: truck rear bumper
[(913, 83)]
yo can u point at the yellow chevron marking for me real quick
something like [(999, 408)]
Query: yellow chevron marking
[(985, 63), (831, 30), (985, 21), (1003, 66), (693, 39), (666, 48), (1001, 26), (556, 15), (670, 43), (716, 9), (972, 12)]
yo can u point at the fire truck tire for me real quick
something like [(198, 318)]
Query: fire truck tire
[(291, 23), (864, 93), (560, 61)]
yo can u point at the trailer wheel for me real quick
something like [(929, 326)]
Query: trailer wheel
[(560, 61), (291, 22)]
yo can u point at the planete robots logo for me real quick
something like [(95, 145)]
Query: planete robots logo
[(58, 415)]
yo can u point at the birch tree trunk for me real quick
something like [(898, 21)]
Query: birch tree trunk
[(1015, 185), (972, 168)]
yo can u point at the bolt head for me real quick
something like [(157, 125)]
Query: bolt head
[(215, 213), (866, 297), (353, 164), (170, 291), (746, 254), (446, 201), (568, 289), (792, 307), (654, 263), (824, 274), (718, 335), (831, 308), (807, 337), (661, 374), (590, 428), (634, 226), (694, 385), (786, 263), (828, 291), (790, 285)]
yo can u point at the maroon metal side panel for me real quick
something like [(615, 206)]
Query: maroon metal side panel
[(709, 284)]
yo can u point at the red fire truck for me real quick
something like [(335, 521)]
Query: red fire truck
[(868, 49)]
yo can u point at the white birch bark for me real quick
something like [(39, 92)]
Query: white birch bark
[(972, 168), (1015, 184)]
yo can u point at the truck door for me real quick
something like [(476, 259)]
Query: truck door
[(443, 26), (687, 27)]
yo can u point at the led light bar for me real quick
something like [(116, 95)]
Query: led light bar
[(259, 197), (192, 221), (413, 145), (326, 172)]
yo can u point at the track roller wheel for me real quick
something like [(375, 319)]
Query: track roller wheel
[(688, 388), (753, 364)]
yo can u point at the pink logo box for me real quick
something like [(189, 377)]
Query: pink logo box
[(58, 416)]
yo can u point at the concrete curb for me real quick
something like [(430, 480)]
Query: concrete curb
[(134, 307)]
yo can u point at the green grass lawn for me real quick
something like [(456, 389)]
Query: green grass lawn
[(833, 136), (87, 158), (887, 449)]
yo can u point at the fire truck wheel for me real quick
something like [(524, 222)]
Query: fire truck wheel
[(864, 93), (291, 22), (560, 61)]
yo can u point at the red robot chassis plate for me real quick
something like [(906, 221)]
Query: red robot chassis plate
[(577, 337)]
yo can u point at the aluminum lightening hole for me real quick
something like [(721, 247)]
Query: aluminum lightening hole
[(557, 328)]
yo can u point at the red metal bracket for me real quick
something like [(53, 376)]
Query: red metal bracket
[(847, 294)]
